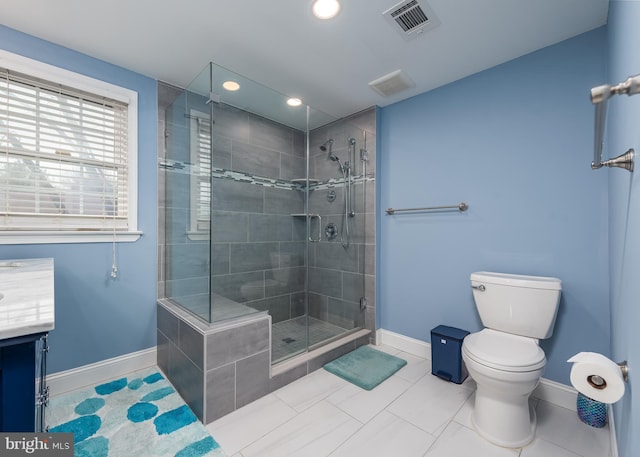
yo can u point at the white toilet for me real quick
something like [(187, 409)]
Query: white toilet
[(504, 358)]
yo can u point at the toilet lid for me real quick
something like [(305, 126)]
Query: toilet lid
[(504, 351)]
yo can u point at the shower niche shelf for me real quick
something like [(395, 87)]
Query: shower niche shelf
[(304, 215), (303, 182)]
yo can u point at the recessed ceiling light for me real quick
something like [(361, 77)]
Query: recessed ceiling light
[(231, 85), (294, 102), (326, 9)]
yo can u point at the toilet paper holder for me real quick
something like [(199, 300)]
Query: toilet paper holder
[(624, 367), (598, 382)]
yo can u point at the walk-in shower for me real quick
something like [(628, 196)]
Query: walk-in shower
[(253, 293), (245, 182)]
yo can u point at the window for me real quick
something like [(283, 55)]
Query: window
[(68, 155), (200, 176)]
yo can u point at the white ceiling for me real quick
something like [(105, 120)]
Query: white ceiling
[(280, 44)]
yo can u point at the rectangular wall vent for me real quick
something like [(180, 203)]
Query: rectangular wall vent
[(411, 18), (392, 83)]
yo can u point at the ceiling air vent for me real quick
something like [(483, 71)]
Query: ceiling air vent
[(411, 18)]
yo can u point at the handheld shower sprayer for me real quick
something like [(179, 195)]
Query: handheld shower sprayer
[(346, 171), (599, 97), (335, 158)]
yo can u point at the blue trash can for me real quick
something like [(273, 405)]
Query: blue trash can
[(446, 353)]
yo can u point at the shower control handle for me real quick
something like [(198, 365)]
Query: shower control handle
[(481, 287), (331, 231)]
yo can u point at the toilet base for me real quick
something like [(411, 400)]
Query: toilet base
[(510, 425)]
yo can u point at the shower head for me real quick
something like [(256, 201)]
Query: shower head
[(327, 145)]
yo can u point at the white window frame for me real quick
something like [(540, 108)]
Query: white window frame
[(84, 83), (198, 230)]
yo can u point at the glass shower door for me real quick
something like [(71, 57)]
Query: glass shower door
[(342, 264), (259, 223)]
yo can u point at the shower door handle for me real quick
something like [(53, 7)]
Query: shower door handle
[(316, 216)]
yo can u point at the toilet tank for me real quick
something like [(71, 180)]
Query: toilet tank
[(518, 304)]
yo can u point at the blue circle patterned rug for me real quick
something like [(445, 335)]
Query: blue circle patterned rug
[(141, 416)]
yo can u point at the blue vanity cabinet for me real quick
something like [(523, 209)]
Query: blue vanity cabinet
[(27, 315), (23, 393)]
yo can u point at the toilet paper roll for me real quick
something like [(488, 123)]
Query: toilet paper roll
[(597, 377)]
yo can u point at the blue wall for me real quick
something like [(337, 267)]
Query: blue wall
[(624, 203), (515, 143), (98, 318)]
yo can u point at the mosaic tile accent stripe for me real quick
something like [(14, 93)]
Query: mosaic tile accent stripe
[(239, 176)]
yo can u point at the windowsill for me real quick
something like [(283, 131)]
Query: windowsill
[(44, 237), (198, 235)]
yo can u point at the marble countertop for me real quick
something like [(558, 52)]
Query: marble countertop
[(27, 300)]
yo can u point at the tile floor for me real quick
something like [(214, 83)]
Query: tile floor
[(413, 413)]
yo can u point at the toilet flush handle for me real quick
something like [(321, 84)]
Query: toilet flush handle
[(481, 287)]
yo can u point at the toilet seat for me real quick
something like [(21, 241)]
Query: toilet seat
[(504, 351)]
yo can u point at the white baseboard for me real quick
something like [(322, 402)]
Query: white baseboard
[(95, 373), (551, 391), (557, 393), (404, 343)]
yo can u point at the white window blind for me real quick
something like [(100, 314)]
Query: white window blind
[(63, 157), (201, 174)]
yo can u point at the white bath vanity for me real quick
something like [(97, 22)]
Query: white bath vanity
[(26, 317)]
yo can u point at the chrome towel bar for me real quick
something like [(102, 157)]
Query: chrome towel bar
[(462, 206), (599, 97)]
